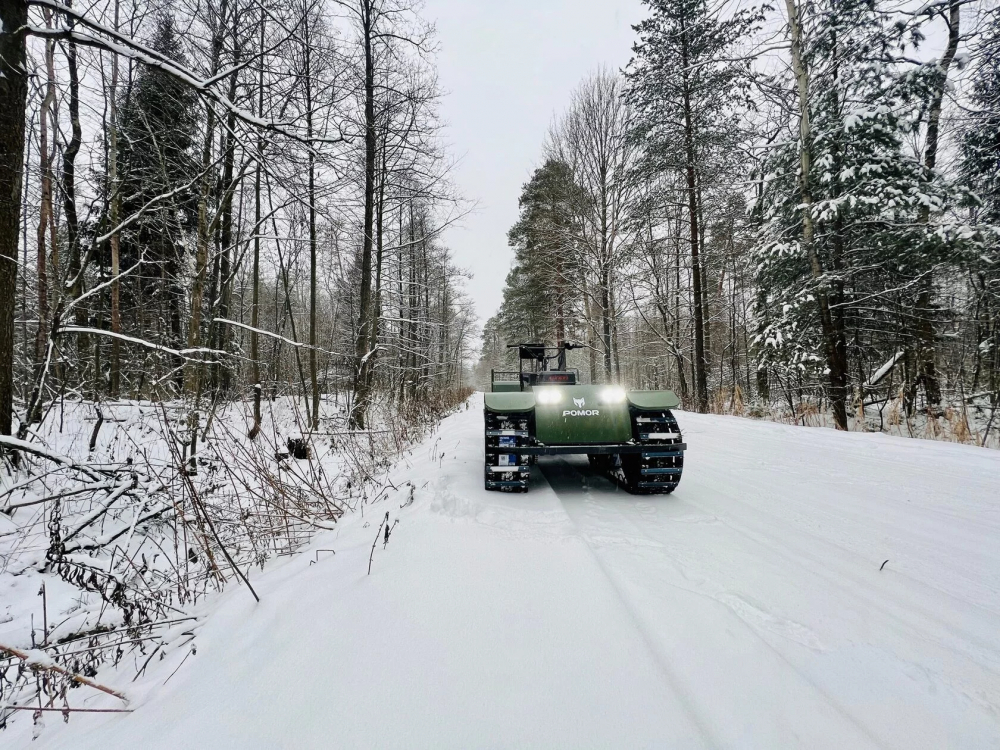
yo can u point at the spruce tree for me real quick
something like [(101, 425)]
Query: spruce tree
[(981, 170), (158, 127), (869, 252)]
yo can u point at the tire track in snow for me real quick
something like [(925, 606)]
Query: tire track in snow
[(663, 663), (617, 582)]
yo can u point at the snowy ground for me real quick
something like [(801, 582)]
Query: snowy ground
[(746, 610)]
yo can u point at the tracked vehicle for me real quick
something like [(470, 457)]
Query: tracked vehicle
[(537, 411)]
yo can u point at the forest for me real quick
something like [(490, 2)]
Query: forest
[(225, 303), (231, 328), (225, 200), (785, 210)]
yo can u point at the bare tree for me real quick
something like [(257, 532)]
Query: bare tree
[(592, 138)]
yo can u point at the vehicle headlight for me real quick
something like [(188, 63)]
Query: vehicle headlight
[(613, 395), (548, 395)]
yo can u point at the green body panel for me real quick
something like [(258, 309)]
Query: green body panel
[(508, 402), (654, 399), (504, 387), (581, 415)]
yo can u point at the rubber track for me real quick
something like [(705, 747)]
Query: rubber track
[(517, 426), (657, 472)]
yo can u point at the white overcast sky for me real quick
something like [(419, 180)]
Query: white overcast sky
[(507, 67)]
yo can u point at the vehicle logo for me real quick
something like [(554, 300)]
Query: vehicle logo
[(580, 411)]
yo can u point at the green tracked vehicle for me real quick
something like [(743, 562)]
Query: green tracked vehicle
[(536, 411)]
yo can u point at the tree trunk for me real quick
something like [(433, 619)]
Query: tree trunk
[(411, 326), (835, 363), (13, 103), (379, 245), (226, 237), (45, 205), (313, 363), (925, 328), (115, 211), (589, 315), (606, 320), (75, 261), (201, 259), (255, 302), (359, 406), (614, 336), (700, 364), (678, 354), (193, 369)]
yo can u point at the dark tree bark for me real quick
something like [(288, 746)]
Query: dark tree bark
[(115, 213), (75, 261), (700, 363), (13, 102), (255, 302), (45, 117), (605, 282), (379, 248), (411, 372), (227, 188), (361, 350)]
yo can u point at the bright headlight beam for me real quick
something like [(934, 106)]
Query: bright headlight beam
[(613, 395), (548, 395)]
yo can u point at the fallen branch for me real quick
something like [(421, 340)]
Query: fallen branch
[(102, 510), (106, 539), (68, 710), (279, 337), (8, 509), (187, 354), (12, 443), (884, 370), (40, 661)]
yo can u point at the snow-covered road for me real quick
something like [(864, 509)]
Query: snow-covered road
[(746, 610)]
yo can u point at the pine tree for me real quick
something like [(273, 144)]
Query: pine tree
[(686, 86), (541, 298)]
